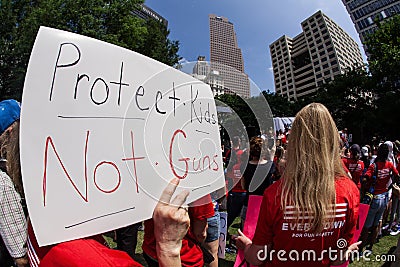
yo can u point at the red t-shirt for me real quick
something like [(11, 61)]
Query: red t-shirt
[(283, 139), (237, 177), (88, 251), (345, 167), (384, 170), (277, 227), (355, 168), (191, 254), (239, 153)]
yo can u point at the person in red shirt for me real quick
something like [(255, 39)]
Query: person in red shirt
[(236, 191), (379, 188), (190, 253), (313, 208), (280, 161), (171, 221), (354, 164)]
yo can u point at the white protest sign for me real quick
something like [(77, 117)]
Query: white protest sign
[(103, 130)]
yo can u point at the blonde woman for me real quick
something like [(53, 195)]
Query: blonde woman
[(308, 217)]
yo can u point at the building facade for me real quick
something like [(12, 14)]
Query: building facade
[(146, 13), (226, 57), (312, 58), (203, 72), (363, 13)]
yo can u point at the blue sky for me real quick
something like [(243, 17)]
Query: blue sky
[(257, 24)]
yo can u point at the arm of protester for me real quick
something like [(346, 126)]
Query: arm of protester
[(251, 251), (22, 262), (242, 183), (13, 226), (395, 174), (199, 228), (396, 191), (199, 211), (368, 173), (171, 223)]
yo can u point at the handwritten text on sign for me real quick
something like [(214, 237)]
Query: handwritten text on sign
[(103, 130)]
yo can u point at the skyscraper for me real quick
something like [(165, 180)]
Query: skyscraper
[(146, 13), (364, 12), (226, 57), (202, 71), (315, 56)]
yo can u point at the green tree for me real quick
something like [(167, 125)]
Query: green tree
[(156, 44), (383, 47), (110, 21), (279, 105), (349, 98), (12, 14), (241, 109), (254, 112)]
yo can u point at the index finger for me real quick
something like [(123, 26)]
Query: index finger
[(240, 232), (354, 246), (167, 193)]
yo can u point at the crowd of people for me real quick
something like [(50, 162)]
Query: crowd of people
[(310, 178)]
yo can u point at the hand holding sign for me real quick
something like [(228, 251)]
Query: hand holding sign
[(171, 221)]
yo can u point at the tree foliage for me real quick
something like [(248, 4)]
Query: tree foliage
[(280, 106), (109, 21), (350, 99), (383, 47)]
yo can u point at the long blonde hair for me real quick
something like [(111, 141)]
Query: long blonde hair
[(313, 162)]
